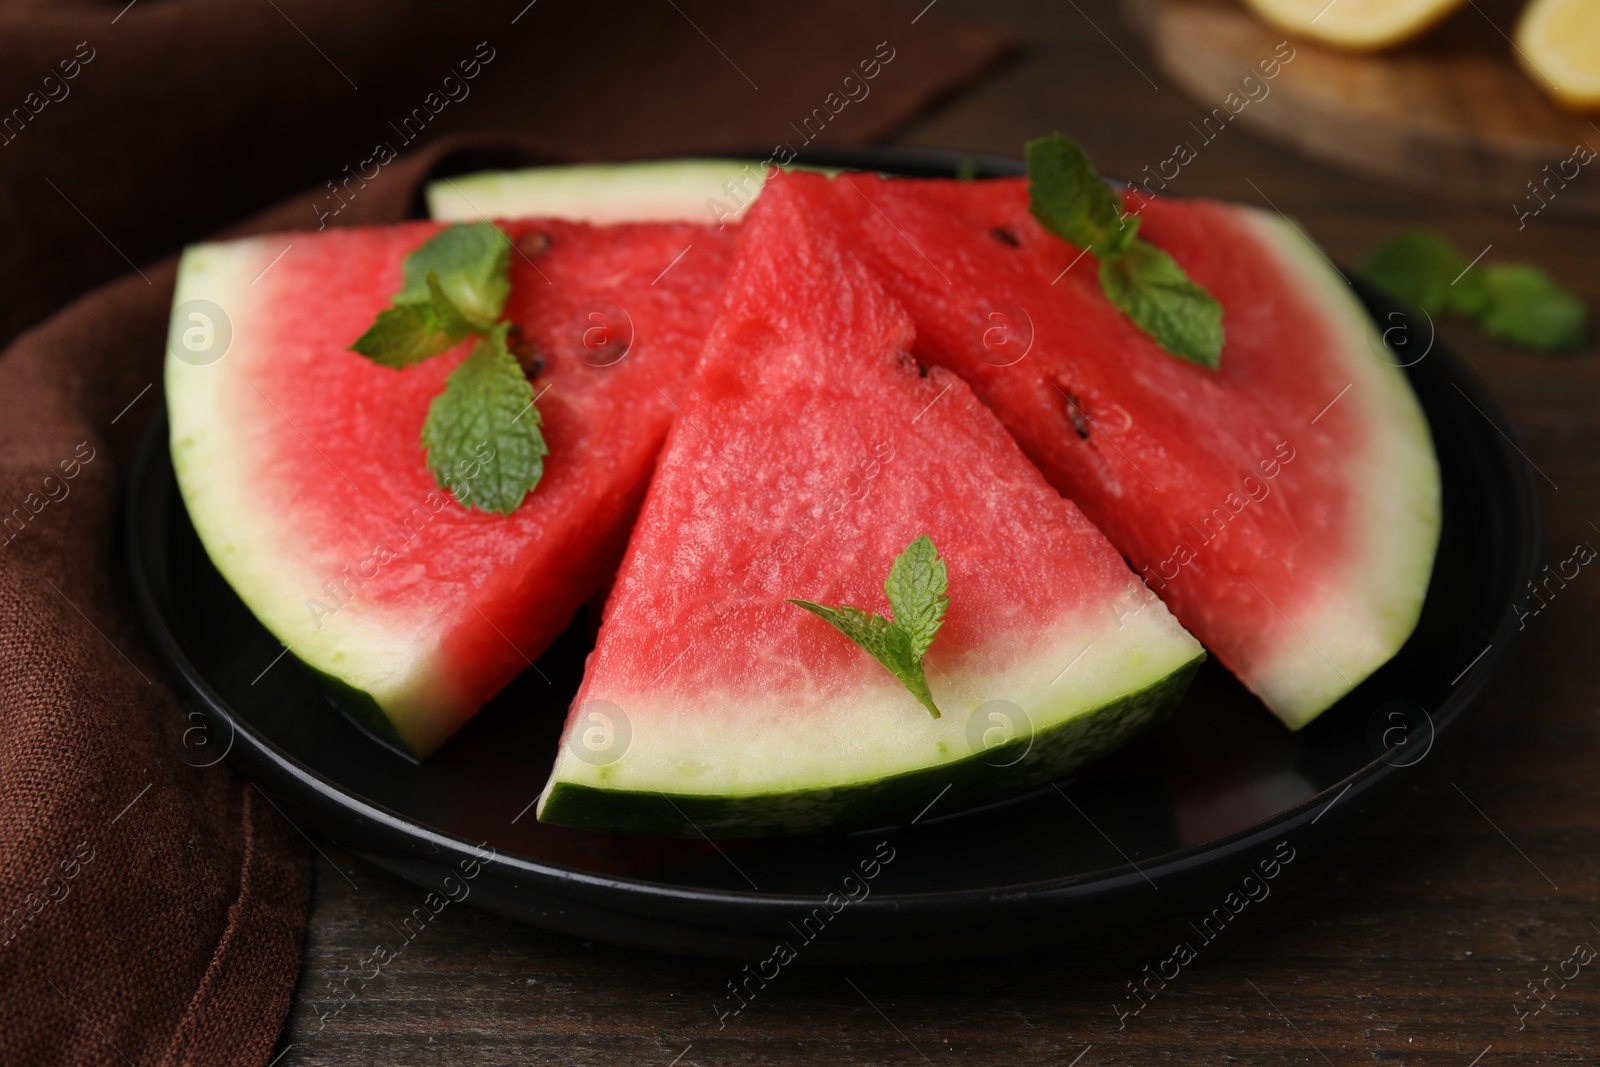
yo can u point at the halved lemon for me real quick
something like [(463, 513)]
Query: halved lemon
[(1358, 25), (1558, 42)]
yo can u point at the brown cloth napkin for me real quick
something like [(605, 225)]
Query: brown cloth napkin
[(151, 907)]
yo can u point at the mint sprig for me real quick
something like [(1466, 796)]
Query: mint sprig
[(916, 588), (1423, 269), (487, 400), (1512, 302), (1068, 197), (455, 287), (473, 268)]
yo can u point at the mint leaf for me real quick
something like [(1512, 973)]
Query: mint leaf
[(403, 335), (473, 267), (1153, 291), (862, 627), (1069, 199), (1418, 268), (407, 333), (1528, 308), (1469, 296), (444, 311), (487, 403), (916, 588), (905, 663), (1067, 196)]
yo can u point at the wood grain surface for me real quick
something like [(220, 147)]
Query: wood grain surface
[(1451, 111), (1414, 944)]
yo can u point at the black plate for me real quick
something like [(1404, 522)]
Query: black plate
[(1192, 808)]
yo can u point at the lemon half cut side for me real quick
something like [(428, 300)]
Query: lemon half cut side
[(1357, 25), (1558, 42)]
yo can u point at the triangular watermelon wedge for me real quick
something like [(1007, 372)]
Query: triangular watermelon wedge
[(816, 450), (1286, 506), (302, 470)]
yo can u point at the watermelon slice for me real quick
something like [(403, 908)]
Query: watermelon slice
[(817, 449), (302, 470), (1286, 507)]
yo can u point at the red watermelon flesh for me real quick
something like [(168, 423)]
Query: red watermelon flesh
[(301, 465), (1285, 506), (816, 449)]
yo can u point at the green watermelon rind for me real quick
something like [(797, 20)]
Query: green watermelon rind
[(1050, 754), (359, 705), (821, 745), (674, 190), (710, 191)]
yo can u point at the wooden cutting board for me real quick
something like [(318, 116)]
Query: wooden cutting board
[(1451, 113)]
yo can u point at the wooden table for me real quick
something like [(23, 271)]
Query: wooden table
[(1415, 944)]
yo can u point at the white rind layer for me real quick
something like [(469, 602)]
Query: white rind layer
[(1369, 606), (725, 745), (708, 191), (220, 427)]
